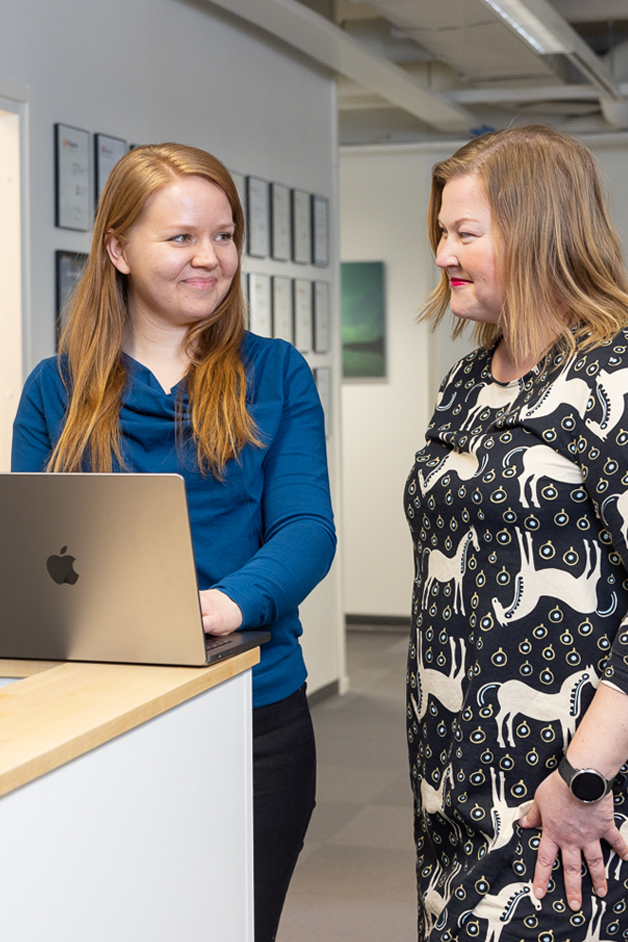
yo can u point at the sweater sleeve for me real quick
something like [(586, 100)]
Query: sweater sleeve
[(39, 418), (298, 530)]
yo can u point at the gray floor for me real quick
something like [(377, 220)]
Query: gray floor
[(355, 877)]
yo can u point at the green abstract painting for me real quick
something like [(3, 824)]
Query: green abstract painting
[(363, 320)]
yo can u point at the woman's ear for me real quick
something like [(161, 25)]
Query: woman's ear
[(115, 251)]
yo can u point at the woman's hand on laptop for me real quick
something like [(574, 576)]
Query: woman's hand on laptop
[(220, 614)]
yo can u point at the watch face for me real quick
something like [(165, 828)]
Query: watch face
[(588, 785)]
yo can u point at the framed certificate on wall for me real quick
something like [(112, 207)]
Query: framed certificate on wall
[(72, 180), (260, 308), (69, 268), (320, 231), (282, 308), (322, 317), (107, 153), (258, 217), (303, 314), (301, 228), (280, 222)]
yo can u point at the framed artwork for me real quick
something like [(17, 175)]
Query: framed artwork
[(72, 180), (260, 309), (322, 378), (283, 308), (240, 184), (107, 153), (322, 317), (303, 314), (280, 222), (257, 214), (320, 231), (69, 268), (301, 228), (363, 320)]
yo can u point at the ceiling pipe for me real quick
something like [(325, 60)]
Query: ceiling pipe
[(326, 43)]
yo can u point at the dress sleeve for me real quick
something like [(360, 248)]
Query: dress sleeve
[(601, 449), (39, 418), (298, 529)]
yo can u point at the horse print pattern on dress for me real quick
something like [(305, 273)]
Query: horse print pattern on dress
[(519, 521)]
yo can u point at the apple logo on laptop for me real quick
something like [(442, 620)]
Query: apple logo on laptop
[(61, 568)]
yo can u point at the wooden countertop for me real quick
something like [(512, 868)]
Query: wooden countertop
[(62, 710)]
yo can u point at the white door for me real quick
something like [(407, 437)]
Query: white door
[(10, 277)]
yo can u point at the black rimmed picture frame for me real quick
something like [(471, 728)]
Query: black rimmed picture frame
[(281, 234), (69, 268), (283, 308), (303, 314), (322, 317), (72, 178), (260, 305), (320, 231), (258, 217), (107, 152), (301, 227)]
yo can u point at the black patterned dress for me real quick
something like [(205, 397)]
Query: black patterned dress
[(518, 507)]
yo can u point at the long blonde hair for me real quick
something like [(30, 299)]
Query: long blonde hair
[(91, 344), (559, 258)]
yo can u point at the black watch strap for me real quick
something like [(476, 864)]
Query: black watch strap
[(587, 785)]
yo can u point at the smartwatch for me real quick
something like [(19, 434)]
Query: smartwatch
[(587, 785)]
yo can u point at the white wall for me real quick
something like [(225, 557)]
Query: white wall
[(384, 193), (181, 70)]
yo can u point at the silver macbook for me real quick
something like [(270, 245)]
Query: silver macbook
[(100, 567)]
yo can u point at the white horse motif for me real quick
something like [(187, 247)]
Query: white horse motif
[(578, 592), (623, 830), (433, 799), (598, 908), (490, 396), (503, 815), (562, 390), (541, 461), (622, 510), (611, 390), (500, 909), (441, 568), (464, 464), (438, 893), (515, 697), (447, 689)]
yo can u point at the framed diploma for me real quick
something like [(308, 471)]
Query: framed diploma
[(280, 222), (107, 153), (322, 378), (72, 186), (282, 308), (69, 268), (322, 315), (260, 310), (257, 212), (301, 227), (320, 231), (303, 314), (240, 184)]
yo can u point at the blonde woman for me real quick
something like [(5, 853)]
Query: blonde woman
[(518, 663), (157, 373)]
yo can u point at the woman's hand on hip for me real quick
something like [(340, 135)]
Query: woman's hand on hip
[(575, 830), (220, 614)]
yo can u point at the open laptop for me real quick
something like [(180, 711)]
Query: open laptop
[(100, 567)]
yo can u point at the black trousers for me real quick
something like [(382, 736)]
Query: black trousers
[(284, 791)]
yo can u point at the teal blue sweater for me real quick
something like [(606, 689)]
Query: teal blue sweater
[(265, 534)]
